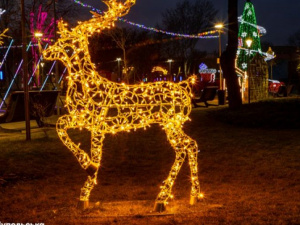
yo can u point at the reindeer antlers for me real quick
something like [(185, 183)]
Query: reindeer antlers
[(118, 9)]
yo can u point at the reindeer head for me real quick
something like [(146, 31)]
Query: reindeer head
[(74, 42)]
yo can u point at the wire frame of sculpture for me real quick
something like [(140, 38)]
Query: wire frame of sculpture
[(105, 107)]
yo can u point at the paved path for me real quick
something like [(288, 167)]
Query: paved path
[(16, 131)]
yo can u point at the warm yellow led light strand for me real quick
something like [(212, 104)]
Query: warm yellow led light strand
[(102, 106), (3, 35)]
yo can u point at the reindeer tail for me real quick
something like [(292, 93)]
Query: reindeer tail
[(189, 83), (192, 80)]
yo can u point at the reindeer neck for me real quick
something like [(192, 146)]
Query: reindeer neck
[(82, 70), (79, 64), (80, 60)]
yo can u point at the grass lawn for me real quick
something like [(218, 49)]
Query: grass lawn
[(249, 172)]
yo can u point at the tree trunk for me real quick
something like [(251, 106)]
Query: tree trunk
[(228, 58)]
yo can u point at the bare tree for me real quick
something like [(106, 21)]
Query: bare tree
[(294, 39), (12, 17), (121, 36), (124, 38), (187, 18), (141, 52)]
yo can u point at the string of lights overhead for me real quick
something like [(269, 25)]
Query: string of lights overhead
[(144, 43), (203, 35)]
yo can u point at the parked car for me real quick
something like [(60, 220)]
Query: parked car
[(277, 88)]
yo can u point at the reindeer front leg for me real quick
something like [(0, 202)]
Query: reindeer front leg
[(63, 124), (91, 166)]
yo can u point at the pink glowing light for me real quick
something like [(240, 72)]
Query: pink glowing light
[(38, 25)]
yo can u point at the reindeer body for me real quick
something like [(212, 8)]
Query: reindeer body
[(102, 106), (124, 107)]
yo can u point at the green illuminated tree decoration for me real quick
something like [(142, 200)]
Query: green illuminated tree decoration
[(247, 31)]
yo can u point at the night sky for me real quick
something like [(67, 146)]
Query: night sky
[(280, 18)]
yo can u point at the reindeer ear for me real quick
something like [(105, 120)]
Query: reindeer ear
[(95, 15), (106, 2), (61, 25)]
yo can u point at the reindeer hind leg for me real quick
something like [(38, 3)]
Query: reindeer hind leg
[(185, 144), (192, 151)]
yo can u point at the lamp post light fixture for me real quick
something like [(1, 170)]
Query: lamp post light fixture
[(119, 75), (38, 34), (249, 42), (219, 27)]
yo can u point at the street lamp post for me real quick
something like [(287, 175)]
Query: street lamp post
[(221, 91), (38, 36), (25, 72), (42, 73), (219, 28), (249, 43), (272, 54), (170, 67), (119, 75)]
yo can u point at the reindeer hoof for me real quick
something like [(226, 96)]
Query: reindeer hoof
[(92, 169), (83, 205), (87, 205), (159, 207), (193, 200)]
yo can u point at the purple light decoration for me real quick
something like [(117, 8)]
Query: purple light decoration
[(37, 25), (203, 66)]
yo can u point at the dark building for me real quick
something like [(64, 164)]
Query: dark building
[(284, 66)]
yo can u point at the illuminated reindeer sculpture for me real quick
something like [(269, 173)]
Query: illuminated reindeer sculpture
[(102, 106)]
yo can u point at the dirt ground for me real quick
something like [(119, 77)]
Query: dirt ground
[(247, 175)]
